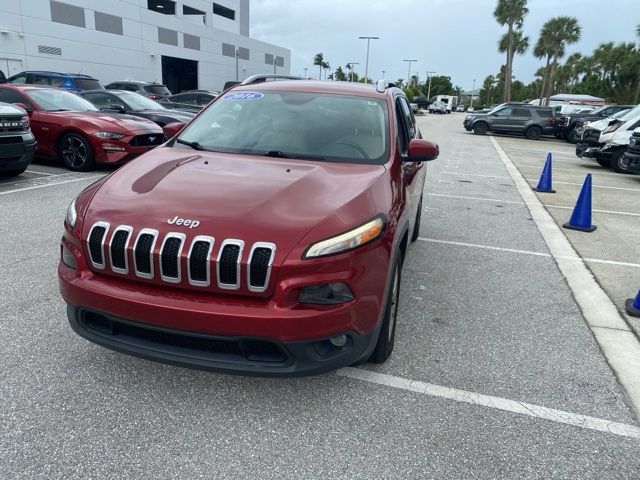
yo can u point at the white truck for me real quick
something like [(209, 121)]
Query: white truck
[(451, 102)]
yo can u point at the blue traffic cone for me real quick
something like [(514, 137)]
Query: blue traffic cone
[(633, 306), (544, 185), (581, 216)]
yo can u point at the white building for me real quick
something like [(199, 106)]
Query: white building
[(184, 44)]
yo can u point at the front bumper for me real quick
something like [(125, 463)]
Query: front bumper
[(229, 354), (633, 159), (16, 156)]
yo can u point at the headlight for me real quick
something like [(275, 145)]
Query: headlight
[(611, 128), (24, 123), (72, 216), (359, 236), (109, 135)]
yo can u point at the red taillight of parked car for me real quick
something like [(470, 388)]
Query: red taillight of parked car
[(551, 121), (152, 96)]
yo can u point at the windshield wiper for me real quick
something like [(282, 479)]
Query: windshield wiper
[(194, 145), (281, 154)]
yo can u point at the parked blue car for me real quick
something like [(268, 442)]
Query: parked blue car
[(75, 82)]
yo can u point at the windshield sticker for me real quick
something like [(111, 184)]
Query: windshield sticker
[(243, 96)]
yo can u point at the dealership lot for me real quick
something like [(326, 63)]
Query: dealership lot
[(489, 340)]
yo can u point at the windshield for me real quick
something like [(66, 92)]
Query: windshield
[(631, 114), (621, 113), (157, 89), (139, 102), (316, 126), (52, 100)]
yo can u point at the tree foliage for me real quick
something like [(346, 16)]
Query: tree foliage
[(511, 13)]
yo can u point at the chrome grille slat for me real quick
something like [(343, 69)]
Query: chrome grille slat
[(95, 244), (170, 257), (118, 255), (143, 253), (228, 264), (259, 266), (199, 261)]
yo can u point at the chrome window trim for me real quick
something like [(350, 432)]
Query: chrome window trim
[(229, 286), (129, 230), (211, 241), (270, 246), (99, 266), (182, 238), (154, 233)]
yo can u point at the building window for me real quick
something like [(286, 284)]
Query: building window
[(280, 61), (193, 11), (243, 53), (168, 37), (224, 11), (67, 14), (268, 59), (166, 7), (108, 23), (228, 50), (191, 41)]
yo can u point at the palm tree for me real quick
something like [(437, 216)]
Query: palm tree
[(510, 13), (318, 60), (555, 35), (542, 49)]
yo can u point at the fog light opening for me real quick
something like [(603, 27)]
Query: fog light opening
[(326, 294), (338, 341), (67, 257)]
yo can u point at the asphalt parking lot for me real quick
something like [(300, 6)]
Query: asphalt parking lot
[(497, 371)]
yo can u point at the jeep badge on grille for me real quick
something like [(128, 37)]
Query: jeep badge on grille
[(187, 222)]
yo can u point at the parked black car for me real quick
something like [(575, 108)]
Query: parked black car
[(421, 102), (134, 104), (191, 101), (567, 124), (75, 82), (152, 90), (17, 140), (530, 120), (631, 159)]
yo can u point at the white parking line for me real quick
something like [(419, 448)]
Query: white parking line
[(44, 173), (528, 252), (49, 184), (618, 343), (496, 403)]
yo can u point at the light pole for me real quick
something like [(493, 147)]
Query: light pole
[(351, 69), (429, 87), (383, 72), (274, 64), (474, 87), (409, 72), (366, 64), (237, 64), (305, 72)]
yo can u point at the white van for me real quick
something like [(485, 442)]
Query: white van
[(450, 101)]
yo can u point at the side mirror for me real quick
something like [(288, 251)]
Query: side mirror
[(117, 107), (422, 150), (24, 107), (172, 129)]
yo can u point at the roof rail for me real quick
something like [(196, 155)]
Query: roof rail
[(265, 77)]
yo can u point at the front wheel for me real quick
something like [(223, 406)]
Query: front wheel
[(604, 162), (533, 133), (619, 164), (572, 136), (76, 153), (480, 128), (387, 336)]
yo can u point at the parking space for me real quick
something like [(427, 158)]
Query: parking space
[(613, 249), (495, 373)]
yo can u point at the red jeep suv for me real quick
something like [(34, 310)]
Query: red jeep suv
[(266, 238)]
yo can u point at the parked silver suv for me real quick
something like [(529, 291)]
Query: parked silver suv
[(523, 119), (17, 143)]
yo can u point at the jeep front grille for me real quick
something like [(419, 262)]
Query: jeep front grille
[(123, 245)]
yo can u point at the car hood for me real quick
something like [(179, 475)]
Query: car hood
[(6, 109), (230, 196), (112, 122)]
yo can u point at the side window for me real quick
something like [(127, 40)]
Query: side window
[(11, 96), (130, 87), (522, 112), (403, 131), (410, 120), (56, 81), (100, 100), (19, 79), (204, 100), (189, 98), (505, 112), (39, 80)]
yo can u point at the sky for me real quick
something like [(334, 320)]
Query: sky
[(456, 38)]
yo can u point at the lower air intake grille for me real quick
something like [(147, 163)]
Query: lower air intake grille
[(228, 265), (259, 268), (199, 260), (118, 252), (143, 253), (95, 244), (169, 260)]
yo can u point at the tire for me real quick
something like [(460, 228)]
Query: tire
[(387, 336), (618, 162), (533, 133), (12, 173), (604, 162), (75, 152), (416, 228), (572, 136), (480, 128)]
